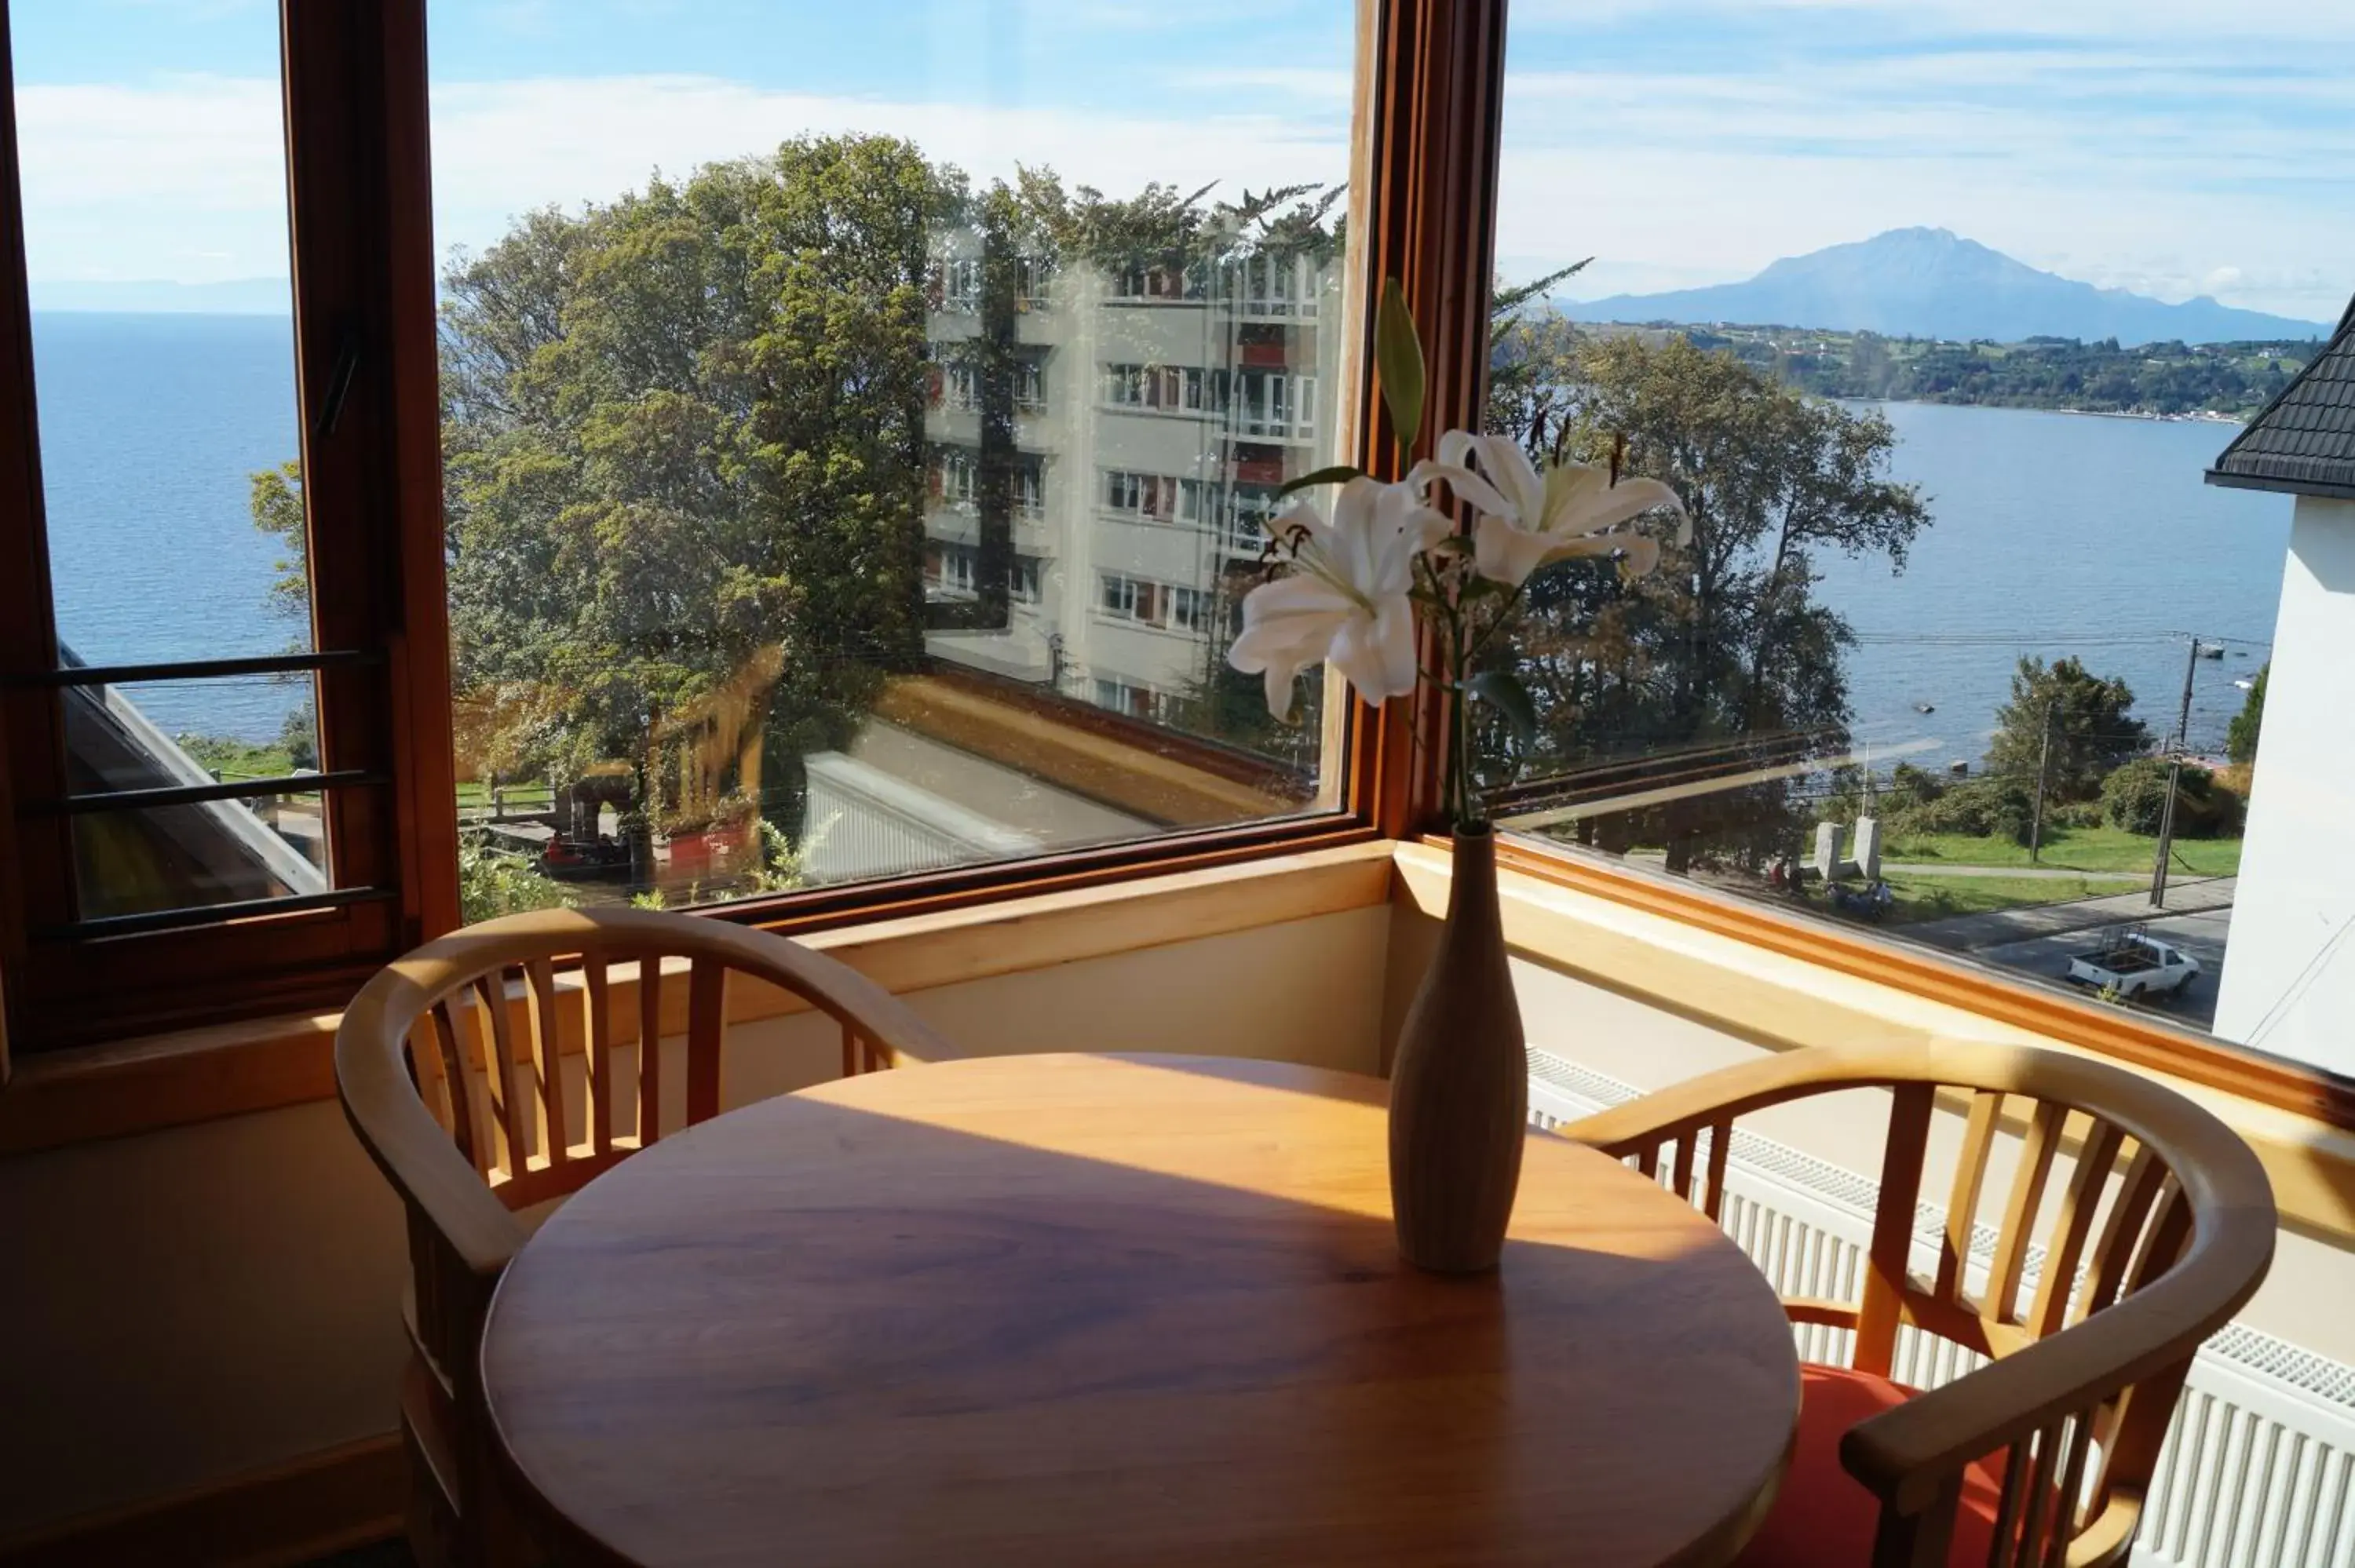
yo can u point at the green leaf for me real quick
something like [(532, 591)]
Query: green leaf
[(1398, 355), (1339, 473), (1506, 694)]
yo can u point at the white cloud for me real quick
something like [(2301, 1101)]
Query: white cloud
[(2125, 165), (502, 148), (183, 179), (1670, 180)]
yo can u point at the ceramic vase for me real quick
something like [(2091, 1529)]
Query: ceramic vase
[(1460, 1083)]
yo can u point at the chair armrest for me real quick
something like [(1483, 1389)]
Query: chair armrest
[(1905, 1454)]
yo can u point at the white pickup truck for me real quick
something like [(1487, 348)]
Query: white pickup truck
[(2135, 964)]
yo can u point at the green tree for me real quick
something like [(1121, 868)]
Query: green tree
[(1723, 656), (2093, 730), (684, 439), (2241, 739), (277, 504)]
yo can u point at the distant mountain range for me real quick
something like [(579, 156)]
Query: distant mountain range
[(1929, 282), (238, 296)]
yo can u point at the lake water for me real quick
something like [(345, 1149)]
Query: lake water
[(152, 428), (2054, 533)]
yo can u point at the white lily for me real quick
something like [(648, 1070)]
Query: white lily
[(1529, 517), (1345, 598)]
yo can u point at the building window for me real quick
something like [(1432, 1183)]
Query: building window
[(1168, 388), (1138, 701), (1164, 606), (1152, 497)]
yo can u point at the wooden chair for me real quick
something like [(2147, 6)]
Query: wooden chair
[(2042, 1456), (452, 1067)]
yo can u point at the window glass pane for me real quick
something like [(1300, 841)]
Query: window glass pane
[(152, 169), (148, 860), (144, 860), (1944, 645), (846, 500)]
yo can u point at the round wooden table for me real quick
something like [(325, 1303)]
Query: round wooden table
[(1112, 1310)]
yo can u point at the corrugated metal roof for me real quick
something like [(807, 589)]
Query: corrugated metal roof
[(2304, 441)]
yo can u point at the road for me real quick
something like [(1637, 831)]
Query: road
[(2202, 934), (2040, 938)]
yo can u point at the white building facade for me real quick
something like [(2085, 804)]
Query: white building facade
[(1157, 412), (2288, 985)]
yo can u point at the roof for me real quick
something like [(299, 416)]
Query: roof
[(2303, 443)]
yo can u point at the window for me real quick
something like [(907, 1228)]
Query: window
[(1028, 388), (1165, 606), (1153, 497), (765, 575), (680, 572), (1946, 664), (1172, 389), (194, 607), (1135, 701)]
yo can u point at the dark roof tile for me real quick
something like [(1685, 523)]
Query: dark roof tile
[(2304, 441)]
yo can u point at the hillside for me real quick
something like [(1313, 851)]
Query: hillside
[(1929, 283)]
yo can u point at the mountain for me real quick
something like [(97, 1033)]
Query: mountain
[(1928, 282), (238, 296)]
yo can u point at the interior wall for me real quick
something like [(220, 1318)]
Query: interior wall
[(184, 1306)]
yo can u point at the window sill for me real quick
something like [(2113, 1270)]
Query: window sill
[(1782, 984), (147, 1085)]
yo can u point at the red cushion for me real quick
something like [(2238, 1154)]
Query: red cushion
[(1824, 1518)]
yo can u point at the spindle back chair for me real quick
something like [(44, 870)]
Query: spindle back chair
[(486, 1074), (2164, 1229)]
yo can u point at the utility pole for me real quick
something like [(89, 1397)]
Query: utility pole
[(2174, 779), (2044, 772)]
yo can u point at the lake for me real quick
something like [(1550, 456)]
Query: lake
[(151, 427), (2054, 533)]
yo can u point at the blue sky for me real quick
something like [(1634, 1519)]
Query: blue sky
[(2131, 142)]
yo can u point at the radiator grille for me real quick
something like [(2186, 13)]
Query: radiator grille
[(2259, 1467)]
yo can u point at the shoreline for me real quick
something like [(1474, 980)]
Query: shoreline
[(2194, 417)]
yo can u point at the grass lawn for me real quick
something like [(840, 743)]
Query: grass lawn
[(521, 798), (233, 760), (2070, 849), (1938, 897)]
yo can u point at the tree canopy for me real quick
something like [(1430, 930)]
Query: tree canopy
[(1724, 651), (684, 439), (2241, 739), (2093, 729)]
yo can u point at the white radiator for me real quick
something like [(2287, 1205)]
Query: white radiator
[(2259, 1469)]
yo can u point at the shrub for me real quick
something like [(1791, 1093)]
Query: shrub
[(492, 882), (1977, 808), (2134, 799)]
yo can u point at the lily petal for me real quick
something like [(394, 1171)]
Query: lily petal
[(1628, 498), (1467, 486), (1508, 555), (1376, 653)]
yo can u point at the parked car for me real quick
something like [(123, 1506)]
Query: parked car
[(2135, 964)]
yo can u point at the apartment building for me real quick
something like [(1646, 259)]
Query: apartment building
[(1156, 411)]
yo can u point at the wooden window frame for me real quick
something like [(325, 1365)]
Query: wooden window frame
[(360, 193), (363, 335)]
